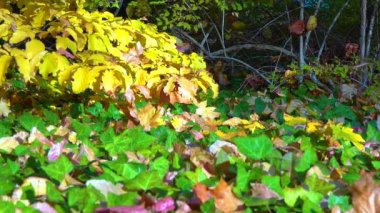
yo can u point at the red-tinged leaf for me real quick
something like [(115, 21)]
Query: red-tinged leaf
[(35, 134), (106, 187), (122, 209), (66, 53), (202, 192), (262, 191), (182, 207), (56, 151), (43, 207), (297, 28), (197, 135), (144, 91), (164, 205)]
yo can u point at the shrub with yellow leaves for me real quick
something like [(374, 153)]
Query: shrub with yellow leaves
[(75, 50)]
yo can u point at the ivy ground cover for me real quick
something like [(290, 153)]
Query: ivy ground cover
[(251, 152)]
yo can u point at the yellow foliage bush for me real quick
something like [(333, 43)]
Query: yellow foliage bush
[(75, 50)]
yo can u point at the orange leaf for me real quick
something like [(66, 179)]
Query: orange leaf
[(225, 200), (202, 192)]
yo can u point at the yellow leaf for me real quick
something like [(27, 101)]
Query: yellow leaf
[(66, 43), (206, 112), (229, 135), (49, 65), (341, 132), (253, 126), (141, 77), (179, 123), (8, 144), (294, 120), (83, 78), (110, 82), (34, 48), (65, 74), (210, 83), (95, 43), (235, 121), (24, 67), (18, 36), (5, 61), (149, 116), (312, 127)]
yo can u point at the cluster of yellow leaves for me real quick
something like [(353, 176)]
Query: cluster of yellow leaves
[(330, 131), (100, 52)]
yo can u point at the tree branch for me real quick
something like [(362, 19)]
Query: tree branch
[(255, 46)]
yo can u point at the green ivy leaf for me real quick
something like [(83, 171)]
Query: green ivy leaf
[(59, 168), (307, 160), (292, 194), (318, 185), (127, 170), (83, 130), (208, 206), (28, 121), (161, 165), (255, 148), (145, 181), (242, 178)]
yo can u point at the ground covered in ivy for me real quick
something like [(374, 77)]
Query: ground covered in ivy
[(292, 150)]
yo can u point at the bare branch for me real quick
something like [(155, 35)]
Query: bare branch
[(256, 46), (330, 28)]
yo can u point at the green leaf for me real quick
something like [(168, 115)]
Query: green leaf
[(28, 121), (208, 206), (53, 194), (317, 185), (96, 109), (259, 105), (127, 199), (113, 112), (130, 140), (83, 199), (141, 140), (307, 160), (273, 182), (145, 181), (161, 165), (376, 164), (292, 194), (242, 178), (7, 206), (52, 117), (372, 133), (342, 201), (59, 168), (126, 170), (83, 130), (255, 148)]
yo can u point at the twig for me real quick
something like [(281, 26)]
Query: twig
[(256, 46), (330, 28), (301, 47), (363, 31), (371, 26), (243, 63)]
